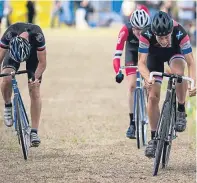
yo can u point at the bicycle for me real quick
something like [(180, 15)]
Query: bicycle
[(21, 122), (165, 132), (139, 109)]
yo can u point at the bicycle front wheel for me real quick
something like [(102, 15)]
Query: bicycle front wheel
[(162, 131), (168, 143), (21, 130)]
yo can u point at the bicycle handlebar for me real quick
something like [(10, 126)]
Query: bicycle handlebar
[(173, 76), (18, 73)]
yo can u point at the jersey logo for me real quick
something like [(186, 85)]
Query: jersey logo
[(148, 34), (39, 37), (179, 34)]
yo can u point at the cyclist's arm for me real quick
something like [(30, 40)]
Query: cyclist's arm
[(123, 34), (191, 66), (2, 54), (41, 53), (4, 45), (187, 51), (142, 57), (41, 64)]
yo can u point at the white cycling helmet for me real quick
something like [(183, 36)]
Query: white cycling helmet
[(139, 19)]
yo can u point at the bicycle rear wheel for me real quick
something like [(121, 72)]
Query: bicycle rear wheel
[(21, 130), (162, 131)]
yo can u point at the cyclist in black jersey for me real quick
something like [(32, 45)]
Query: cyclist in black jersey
[(23, 42), (165, 40)]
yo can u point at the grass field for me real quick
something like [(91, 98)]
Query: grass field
[(84, 120)]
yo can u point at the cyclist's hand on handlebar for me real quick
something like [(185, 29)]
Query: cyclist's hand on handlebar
[(119, 77), (149, 83), (192, 91)]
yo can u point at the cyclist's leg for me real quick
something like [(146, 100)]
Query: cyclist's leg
[(131, 59), (154, 64), (177, 64), (8, 66), (35, 108)]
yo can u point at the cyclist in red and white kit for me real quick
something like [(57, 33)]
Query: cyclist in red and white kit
[(130, 34)]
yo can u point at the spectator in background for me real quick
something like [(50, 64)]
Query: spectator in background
[(31, 11), (86, 5), (2, 2), (56, 12), (7, 12), (166, 6), (153, 6), (127, 9), (186, 16)]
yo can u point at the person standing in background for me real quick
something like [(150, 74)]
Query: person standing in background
[(31, 11), (57, 10), (7, 12), (1, 12)]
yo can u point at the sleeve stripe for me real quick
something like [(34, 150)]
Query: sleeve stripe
[(144, 40), (143, 50), (41, 48), (118, 54), (118, 51), (184, 40), (3, 45), (186, 51), (117, 57)]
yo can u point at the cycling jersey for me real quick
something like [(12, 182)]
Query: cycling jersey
[(36, 36), (36, 40), (132, 44), (180, 43), (157, 55)]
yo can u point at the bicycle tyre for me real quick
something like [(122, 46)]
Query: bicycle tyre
[(20, 130), (162, 130), (144, 122), (168, 144), (137, 118)]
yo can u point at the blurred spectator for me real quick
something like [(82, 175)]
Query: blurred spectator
[(127, 8), (2, 2), (86, 5), (7, 12), (166, 6), (186, 16), (153, 6), (31, 11), (56, 12), (84, 9)]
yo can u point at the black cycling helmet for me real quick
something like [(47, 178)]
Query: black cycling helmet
[(162, 24)]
